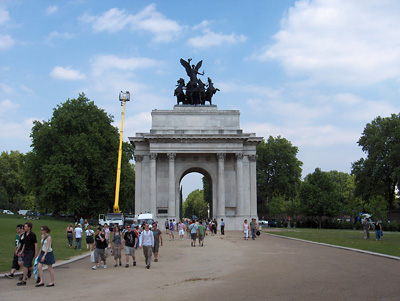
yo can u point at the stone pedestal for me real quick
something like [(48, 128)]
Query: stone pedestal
[(196, 139)]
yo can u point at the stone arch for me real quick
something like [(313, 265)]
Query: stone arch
[(202, 139), (206, 173)]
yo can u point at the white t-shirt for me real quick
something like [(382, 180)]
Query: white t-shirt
[(89, 232), (78, 232)]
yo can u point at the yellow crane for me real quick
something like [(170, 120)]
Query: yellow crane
[(123, 97)]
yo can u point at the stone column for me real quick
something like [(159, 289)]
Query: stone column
[(138, 184), (253, 186), (239, 185), (171, 186), (153, 184), (221, 185)]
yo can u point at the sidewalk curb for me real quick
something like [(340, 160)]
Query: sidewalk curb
[(57, 264), (337, 247)]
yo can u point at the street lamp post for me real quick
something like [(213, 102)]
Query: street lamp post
[(123, 97)]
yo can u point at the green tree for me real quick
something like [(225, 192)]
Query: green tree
[(12, 181), (195, 205), (207, 195), (278, 172), (73, 163), (319, 195), (127, 184), (378, 174), (180, 203)]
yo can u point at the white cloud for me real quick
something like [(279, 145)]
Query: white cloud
[(148, 21), (6, 41), (51, 9), (212, 39), (4, 16), (66, 73), (340, 41), (7, 106), (102, 63), (16, 131), (6, 88), (60, 35)]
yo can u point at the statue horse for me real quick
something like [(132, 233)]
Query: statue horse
[(180, 95)]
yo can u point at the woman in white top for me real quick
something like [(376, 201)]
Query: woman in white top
[(46, 257), (246, 230)]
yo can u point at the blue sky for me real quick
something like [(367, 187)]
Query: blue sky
[(314, 72)]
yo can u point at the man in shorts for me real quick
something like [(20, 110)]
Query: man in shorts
[(99, 252), (29, 251), (157, 239), (131, 241), (171, 230), (15, 264), (167, 226), (193, 233), (201, 230)]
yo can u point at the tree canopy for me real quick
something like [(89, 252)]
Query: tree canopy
[(319, 195), (12, 182), (278, 171), (378, 174), (195, 205), (73, 162)]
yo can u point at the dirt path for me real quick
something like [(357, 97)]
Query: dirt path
[(226, 268)]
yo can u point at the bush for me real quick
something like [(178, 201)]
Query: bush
[(291, 223), (285, 224), (358, 225), (279, 223), (299, 224), (393, 226)]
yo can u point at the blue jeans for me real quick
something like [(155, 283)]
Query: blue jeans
[(78, 242), (253, 233), (378, 234)]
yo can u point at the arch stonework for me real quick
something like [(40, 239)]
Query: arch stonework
[(202, 139)]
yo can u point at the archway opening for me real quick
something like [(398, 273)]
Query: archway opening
[(195, 199)]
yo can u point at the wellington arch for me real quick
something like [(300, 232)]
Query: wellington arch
[(197, 138)]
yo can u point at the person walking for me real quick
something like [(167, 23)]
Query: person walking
[(131, 242), (253, 228), (70, 235), (366, 227), (171, 230), (181, 229), (193, 233), (15, 263), (78, 236), (117, 245), (222, 227), (246, 230), (29, 252), (201, 231), (147, 243), (167, 226), (46, 257), (99, 252), (378, 230), (157, 240), (89, 238)]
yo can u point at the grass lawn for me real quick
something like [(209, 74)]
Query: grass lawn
[(389, 243), (8, 225)]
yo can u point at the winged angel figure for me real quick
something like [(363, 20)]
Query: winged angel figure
[(193, 70), (195, 88)]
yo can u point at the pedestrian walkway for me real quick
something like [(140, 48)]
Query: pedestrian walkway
[(226, 268)]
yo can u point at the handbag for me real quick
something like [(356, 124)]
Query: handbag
[(381, 233), (92, 257)]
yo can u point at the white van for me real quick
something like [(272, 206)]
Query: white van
[(22, 212), (147, 218)]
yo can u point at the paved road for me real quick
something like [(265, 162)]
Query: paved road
[(226, 268)]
